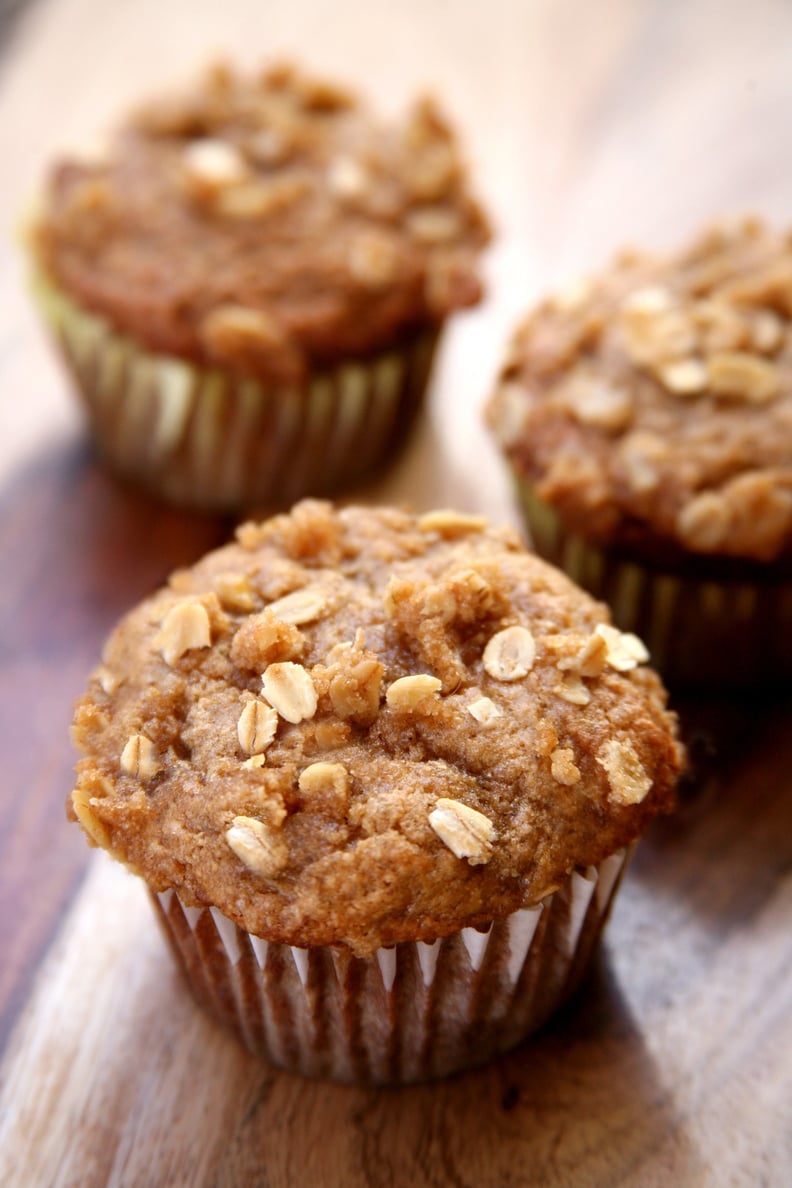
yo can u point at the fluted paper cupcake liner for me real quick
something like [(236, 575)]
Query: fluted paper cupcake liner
[(731, 626), (203, 438), (409, 1013)]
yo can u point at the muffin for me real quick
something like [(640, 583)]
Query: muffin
[(647, 418), (381, 774), (249, 281)]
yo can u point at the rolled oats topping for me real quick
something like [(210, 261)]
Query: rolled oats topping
[(652, 339), (686, 377), (326, 784), (261, 849), (80, 803), (211, 166), (434, 224), (185, 627), (646, 303), (704, 521), (509, 655), (259, 201), (767, 331), (643, 458), (236, 332), (572, 689), (577, 654), (107, 679), (508, 413), (316, 211), (451, 523), (562, 765), (593, 401), (413, 692), (139, 757), (235, 592), (623, 650), (743, 376), (633, 410), (348, 177), (289, 689), (439, 728), (592, 658), (628, 780), (302, 606), (256, 727), (484, 710), (467, 832)]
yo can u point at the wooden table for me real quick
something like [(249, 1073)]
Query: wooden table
[(589, 125)]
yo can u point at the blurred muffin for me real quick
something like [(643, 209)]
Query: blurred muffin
[(381, 775), (249, 283), (647, 417)]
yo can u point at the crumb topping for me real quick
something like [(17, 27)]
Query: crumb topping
[(653, 406), (462, 729), (243, 224)]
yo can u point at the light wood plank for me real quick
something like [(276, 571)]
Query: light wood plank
[(588, 125)]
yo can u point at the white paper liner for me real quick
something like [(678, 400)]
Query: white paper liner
[(731, 632), (411, 1012), (202, 438)]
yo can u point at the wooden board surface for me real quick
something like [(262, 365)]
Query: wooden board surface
[(589, 124)]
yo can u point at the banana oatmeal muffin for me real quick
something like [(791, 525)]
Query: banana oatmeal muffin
[(248, 283), (381, 774), (647, 417)]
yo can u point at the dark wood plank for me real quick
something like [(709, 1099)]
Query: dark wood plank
[(78, 550)]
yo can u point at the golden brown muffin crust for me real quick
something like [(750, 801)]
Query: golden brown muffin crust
[(266, 224), (652, 406), (362, 727)]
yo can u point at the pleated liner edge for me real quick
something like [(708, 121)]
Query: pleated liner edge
[(412, 1012)]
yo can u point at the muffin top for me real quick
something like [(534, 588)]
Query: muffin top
[(652, 406), (360, 727), (266, 224)]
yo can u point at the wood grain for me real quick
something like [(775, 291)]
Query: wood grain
[(673, 1065), (80, 550), (589, 125)]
